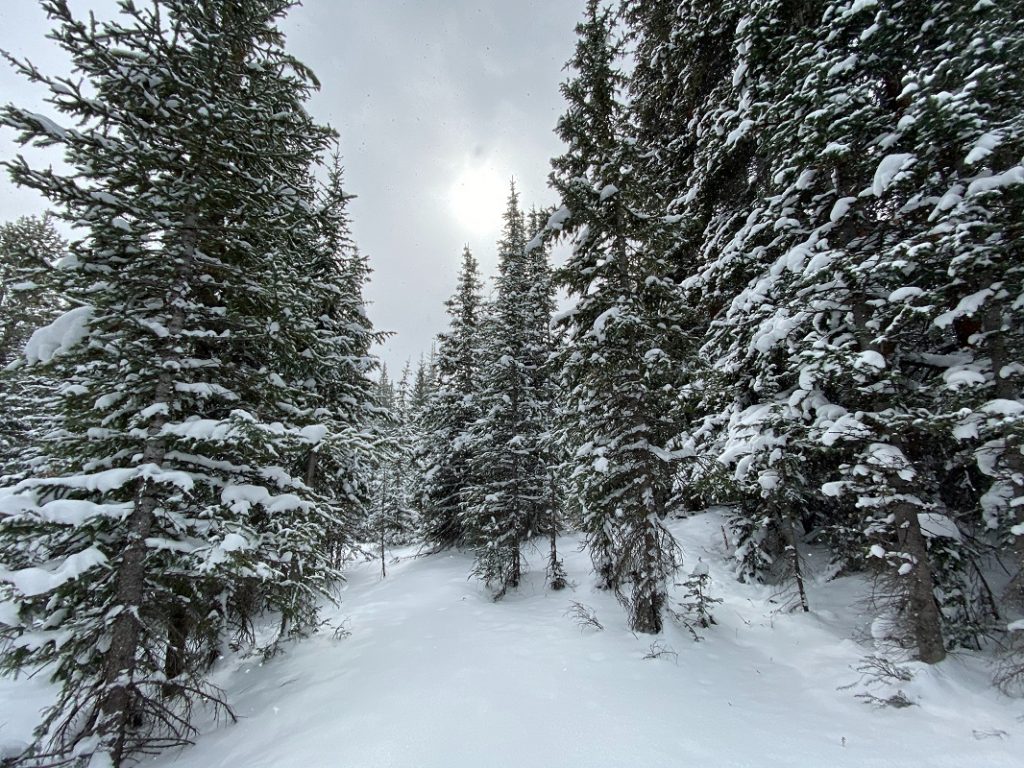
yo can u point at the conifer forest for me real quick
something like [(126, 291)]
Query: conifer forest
[(721, 464)]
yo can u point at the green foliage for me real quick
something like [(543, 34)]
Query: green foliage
[(207, 450)]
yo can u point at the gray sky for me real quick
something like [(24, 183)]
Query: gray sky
[(438, 103)]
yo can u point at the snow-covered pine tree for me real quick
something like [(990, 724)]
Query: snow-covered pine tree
[(695, 112), (176, 507), (968, 149), (322, 380), (553, 456), (424, 381), (697, 602), (444, 453), (409, 407), (30, 250), (591, 128), (391, 517), (841, 333), (509, 489), (339, 368), (960, 219), (776, 264), (620, 337), (853, 255)]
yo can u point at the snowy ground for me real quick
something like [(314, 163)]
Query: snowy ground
[(435, 675)]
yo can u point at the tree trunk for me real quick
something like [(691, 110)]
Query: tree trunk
[(383, 523), (174, 658), (312, 467), (794, 561), (1014, 469), (648, 598), (555, 568), (646, 613), (924, 611), (925, 622), (118, 707)]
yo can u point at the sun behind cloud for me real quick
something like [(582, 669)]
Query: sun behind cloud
[(477, 196)]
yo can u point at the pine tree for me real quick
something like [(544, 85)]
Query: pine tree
[(967, 157), (444, 456), (409, 403), (697, 601), (552, 453), (178, 505), (786, 278), (697, 113), (839, 322), (30, 251), (509, 489), (338, 370), (392, 518), (620, 373)]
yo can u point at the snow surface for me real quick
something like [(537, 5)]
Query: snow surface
[(436, 675)]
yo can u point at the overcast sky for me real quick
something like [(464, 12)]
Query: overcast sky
[(438, 103)]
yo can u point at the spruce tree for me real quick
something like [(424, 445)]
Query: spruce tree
[(858, 317), (968, 159), (31, 249), (621, 335), (337, 371), (444, 455), (178, 504), (552, 446), (509, 490), (392, 517)]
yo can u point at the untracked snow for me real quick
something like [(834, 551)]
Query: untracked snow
[(436, 675)]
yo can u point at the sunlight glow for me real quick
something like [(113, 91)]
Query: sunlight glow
[(477, 198)]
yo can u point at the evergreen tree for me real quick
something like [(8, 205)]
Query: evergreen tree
[(392, 518), (509, 491), (849, 302), (621, 337), (444, 455), (968, 164), (30, 251), (339, 368), (423, 383), (30, 248), (712, 171), (551, 443), (179, 502)]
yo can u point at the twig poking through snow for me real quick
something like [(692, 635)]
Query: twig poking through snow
[(584, 616), (659, 650)]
